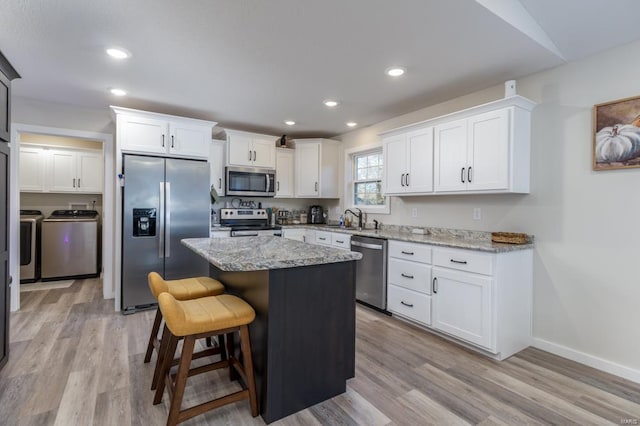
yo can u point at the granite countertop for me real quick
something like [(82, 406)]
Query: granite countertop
[(454, 238), (265, 252)]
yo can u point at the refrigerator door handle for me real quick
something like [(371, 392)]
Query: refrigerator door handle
[(161, 224), (167, 220)]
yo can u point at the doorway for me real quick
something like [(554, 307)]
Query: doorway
[(23, 133)]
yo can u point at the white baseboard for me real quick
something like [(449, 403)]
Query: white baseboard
[(586, 359)]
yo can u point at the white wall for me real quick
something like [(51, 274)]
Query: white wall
[(586, 279)]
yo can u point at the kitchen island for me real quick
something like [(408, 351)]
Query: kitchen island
[(303, 337)]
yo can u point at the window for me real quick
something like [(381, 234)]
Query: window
[(367, 179)]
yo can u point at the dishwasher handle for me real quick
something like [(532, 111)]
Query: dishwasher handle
[(367, 245)]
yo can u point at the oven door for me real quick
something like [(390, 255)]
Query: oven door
[(250, 233), (250, 181)]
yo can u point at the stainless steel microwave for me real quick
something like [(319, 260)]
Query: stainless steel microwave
[(250, 181)]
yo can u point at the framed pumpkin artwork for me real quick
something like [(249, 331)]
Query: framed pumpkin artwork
[(616, 139)]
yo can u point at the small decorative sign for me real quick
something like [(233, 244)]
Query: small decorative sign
[(616, 140)]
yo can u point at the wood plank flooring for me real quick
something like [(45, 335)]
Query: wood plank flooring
[(76, 362)]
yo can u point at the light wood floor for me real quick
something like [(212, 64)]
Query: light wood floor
[(75, 362)]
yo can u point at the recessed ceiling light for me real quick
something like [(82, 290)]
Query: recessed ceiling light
[(289, 122), (352, 124), (331, 103), (395, 71), (118, 53), (118, 92)]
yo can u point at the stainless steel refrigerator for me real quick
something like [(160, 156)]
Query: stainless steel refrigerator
[(165, 200)]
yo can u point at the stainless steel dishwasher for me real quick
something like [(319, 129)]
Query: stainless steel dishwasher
[(371, 271)]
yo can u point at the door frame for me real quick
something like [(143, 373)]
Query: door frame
[(108, 203)]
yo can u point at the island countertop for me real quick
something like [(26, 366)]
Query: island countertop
[(265, 252)]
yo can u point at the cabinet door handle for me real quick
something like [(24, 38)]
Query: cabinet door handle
[(220, 183), (316, 186), (74, 182), (461, 262), (462, 174), (406, 179), (406, 276), (406, 304), (434, 285), (254, 156), (469, 174), (410, 253), (278, 183), (250, 155), (171, 141), (78, 182), (402, 179), (163, 140)]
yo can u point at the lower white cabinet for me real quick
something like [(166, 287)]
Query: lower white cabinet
[(297, 234), (479, 298), (323, 238), (463, 306), (220, 233)]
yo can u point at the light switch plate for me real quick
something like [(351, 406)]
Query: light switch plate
[(414, 212), (477, 213)]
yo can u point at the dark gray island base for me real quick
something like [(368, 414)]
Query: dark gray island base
[(303, 337)]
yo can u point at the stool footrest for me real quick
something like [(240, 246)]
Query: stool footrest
[(210, 405)]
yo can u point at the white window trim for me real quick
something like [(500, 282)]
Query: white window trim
[(348, 180)]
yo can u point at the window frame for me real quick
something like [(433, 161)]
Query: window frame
[(350, 156)]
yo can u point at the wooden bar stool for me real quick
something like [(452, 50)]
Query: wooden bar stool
[(184, 289), (196, 319)]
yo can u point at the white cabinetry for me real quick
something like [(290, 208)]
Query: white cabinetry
[(317, 168), (284, 173), (151, 133), (216, 165), (481, 299), (409, 281), (45, 169), (484, 299), (250, 149), (32, 169), (473, 154), (484, 149), (409, 162), (297, 234)]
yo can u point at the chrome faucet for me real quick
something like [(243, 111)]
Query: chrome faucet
[(358, 215)]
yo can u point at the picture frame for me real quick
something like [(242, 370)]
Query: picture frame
[(616, 134)]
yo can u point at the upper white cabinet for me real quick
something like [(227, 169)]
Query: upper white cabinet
[(484, 149), (473, 154), (32, 168), (317, 168), (284, 173), (408, 160), (250, 149), (46, 169), (216, 165), (161, 134)]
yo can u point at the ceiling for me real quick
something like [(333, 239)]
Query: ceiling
[(251, 64)]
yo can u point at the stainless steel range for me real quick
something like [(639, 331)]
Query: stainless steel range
[(248, 222)]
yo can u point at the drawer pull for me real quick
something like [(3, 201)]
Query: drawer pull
[(340, 241), (320, 238), (461, 262), (410, 253), (407, 304), (407, 276)]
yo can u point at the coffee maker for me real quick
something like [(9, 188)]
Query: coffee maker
[(315, 215)]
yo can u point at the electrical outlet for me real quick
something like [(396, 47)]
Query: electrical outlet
[(477, 213), (414, 212)]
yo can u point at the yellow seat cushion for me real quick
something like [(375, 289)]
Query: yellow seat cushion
[(185, 289), (204, 315)]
